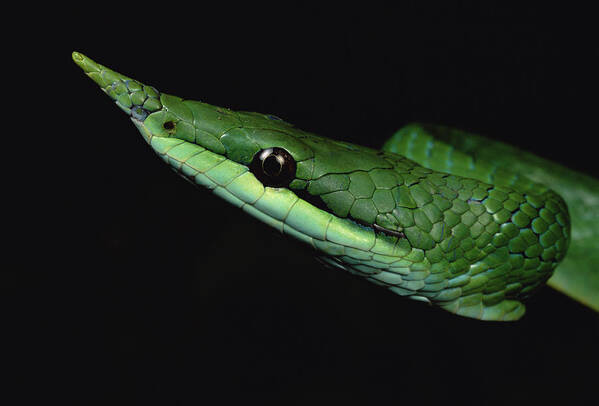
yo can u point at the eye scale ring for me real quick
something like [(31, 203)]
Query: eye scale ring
[(274, 167)]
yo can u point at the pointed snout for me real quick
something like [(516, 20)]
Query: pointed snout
[(133, 97)]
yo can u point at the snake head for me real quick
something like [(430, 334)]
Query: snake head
[(456, 242), (346, 180)]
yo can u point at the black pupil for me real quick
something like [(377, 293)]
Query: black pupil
[(272, 165)]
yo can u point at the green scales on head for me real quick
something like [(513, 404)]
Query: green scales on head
[(472, 238)]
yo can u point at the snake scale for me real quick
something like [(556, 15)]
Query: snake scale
[(437, 215)]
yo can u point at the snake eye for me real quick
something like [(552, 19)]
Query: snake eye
[(274, 167)]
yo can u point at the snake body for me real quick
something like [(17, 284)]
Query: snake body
[(424, 216)]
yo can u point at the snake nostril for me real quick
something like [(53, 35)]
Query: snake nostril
[(168, 125)]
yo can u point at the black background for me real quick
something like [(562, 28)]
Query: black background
[(130, 286)]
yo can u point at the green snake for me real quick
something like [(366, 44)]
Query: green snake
[(465, 223)]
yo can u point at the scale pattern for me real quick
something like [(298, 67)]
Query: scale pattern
[(472, 247)]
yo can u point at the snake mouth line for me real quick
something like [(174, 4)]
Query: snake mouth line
[(386, 231)]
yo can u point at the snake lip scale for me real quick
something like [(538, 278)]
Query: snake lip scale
[(426, 217)]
